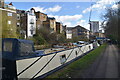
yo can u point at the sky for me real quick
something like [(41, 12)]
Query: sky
[(70, 13)]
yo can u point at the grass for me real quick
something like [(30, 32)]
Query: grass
[(79, 65)]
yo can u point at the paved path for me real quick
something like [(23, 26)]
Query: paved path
[(106, 66)]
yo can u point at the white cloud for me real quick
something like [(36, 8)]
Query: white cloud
[(86, 10), (99, 5), (80, 22), (70, 18), (84, 24), (69, 24), (77, 6), (71, 21), (56, 8), (67, 18), (115, 6), (41, 9)]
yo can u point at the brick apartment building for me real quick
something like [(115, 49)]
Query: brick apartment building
[(79, 31), (8, 20), (40, 17), (50, 23), (59, 27)]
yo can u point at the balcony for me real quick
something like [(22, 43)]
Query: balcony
[(31, 22)]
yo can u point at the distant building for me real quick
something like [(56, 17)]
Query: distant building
[(22, 23), (100, 31), (59, 28), (88, 34), (50, 23), (1, 3), (31, 23), (64, 27), (18, 23), (79, 31), (8, 20), (94, 26), (26, 22), (101, 34), (69, 32), (40, 17)]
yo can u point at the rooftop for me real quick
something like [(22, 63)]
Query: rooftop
[(11, 4)]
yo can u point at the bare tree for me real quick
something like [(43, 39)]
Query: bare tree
[(112, 17)]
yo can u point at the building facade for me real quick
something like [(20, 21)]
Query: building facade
[(1, 3), (94, 26), (69, 33), (26, 22), (22, 23), (8, 20), (59, 28), (50, 23), (40, 17), (31, 23), (79, 31)]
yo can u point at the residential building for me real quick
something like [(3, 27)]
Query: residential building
[(94, 26), (50, 23), (8, 20), (101, 33), (59, 28), (1, 3), (26, 22), (69, 32), (22, 23), (64, 27), (79, 31), (31, 23), (40, 17), (88, 34)]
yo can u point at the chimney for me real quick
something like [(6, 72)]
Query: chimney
[(11, 4)]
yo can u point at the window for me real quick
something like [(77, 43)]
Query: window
[(9, 14), (18, 16), (26, 49), (32, 21), (9, 22), (62, 59), (7, 46), (18, 24), (76, 53), (31, 32)]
